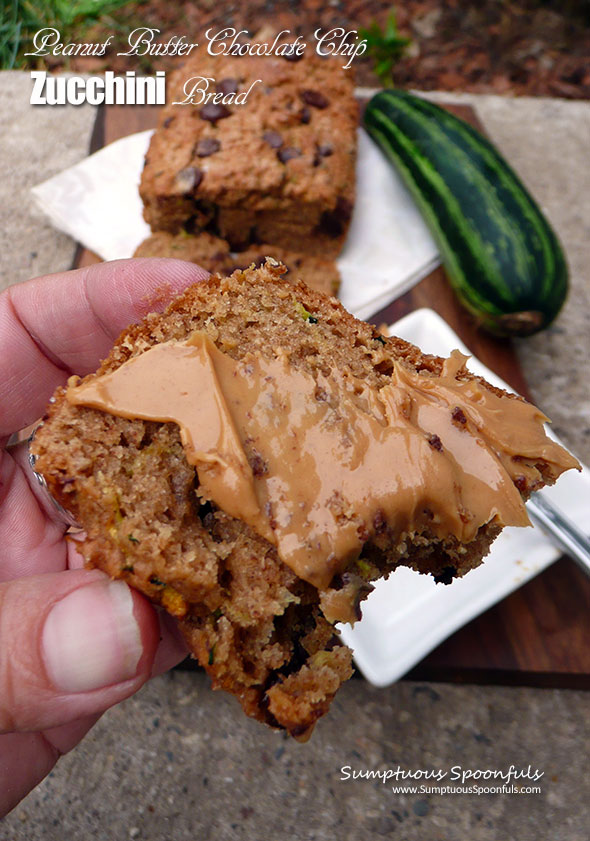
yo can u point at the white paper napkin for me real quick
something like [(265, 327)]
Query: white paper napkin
[(387, 251)]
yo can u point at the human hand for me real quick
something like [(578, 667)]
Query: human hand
[(73, 642)]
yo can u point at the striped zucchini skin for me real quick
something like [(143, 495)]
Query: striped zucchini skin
[(502, 257)]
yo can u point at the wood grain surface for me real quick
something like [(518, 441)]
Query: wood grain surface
[(540, 634)]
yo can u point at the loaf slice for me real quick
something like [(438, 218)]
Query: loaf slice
[(262, 631), (273, 161), (214, 254)]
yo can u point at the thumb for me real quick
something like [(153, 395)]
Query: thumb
[(72, 644)]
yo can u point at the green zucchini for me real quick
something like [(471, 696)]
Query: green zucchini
[(502, 257)]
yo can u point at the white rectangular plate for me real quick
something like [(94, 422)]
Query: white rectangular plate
[(408, 615)]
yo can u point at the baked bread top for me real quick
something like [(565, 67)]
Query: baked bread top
[(291, 144)]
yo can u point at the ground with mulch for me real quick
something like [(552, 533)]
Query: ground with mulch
[(494, 46)]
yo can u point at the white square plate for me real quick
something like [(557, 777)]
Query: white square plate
[(408, 615)]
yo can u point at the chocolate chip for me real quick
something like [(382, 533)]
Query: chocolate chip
[(333, 222), (435, 443), (521, 484), (287, 152), (294, 56), (343, 208), (212, 112), (314, 98), (258, 261), (258, 464), (331, 225), (273, 138), (362, 533), (226, 86), (168, 122), (333, 642), (206, 146), (362, 593), (379, 522), (458, 415), (188, 179), (305, 115), (322, 151), (341, 580), (446, 576)]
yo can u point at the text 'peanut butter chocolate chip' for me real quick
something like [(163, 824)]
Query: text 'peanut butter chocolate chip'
[(206, 146), (287, 152), (188, 179), (212, 112), (273, 138), (228, 86), (315, 98)]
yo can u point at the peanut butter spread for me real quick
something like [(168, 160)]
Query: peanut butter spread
[(319, 464)]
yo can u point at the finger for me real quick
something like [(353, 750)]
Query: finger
[(73, 644), (30, 542), (61, 324), (25, 759), (172, 648)]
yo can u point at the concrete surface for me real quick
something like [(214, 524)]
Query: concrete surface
[(36, 142), (180, 762)]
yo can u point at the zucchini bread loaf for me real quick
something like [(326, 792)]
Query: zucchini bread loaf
[(252, 458), (278, 167)]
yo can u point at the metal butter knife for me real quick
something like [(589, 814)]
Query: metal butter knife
[(560, 530)]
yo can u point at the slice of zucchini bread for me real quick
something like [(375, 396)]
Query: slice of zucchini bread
[(339, 455)]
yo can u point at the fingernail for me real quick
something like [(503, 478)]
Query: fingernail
[(91, 638)]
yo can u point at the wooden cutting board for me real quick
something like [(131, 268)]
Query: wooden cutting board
[(539, 635)]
